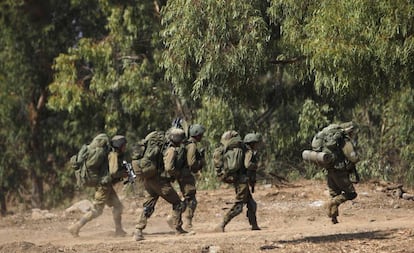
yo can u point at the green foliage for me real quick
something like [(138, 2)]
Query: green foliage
[(312, 119), (282, 68), (213, 48)]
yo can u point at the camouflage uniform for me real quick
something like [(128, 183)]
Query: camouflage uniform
[(104, 191), (251, 163), (160, 186), (240, 182), (341, 188), (185, 178)]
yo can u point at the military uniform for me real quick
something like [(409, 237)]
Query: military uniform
[(105, 193), (250, 163), (341, 188), (240, 182), (160, 186), (187, 180)]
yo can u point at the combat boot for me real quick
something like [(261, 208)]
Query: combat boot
[(189, 223), (180, 231), (138, 236), (75, 228), (119, 232), (256, 227), (253, 221), (220, 227)]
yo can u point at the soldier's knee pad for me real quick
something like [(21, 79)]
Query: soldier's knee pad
[(238, 208), (351, 195), (192, 203), (180, 206), (148, 211)]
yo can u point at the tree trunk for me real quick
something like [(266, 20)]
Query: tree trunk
[(37, 190), (36, 179), (3, 207)]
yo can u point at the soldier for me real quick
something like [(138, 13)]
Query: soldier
[(104, 191), (252, 141), (160, 186), (194, 164), (345, 157), (231, 158)]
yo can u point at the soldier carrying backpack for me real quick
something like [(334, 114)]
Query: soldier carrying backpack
[(229, 161), (99, 165), (335, 143), (164, 161)]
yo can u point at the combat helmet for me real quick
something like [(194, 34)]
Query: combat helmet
[(252, 137), (196, 129), (118, 141), (176, 135)]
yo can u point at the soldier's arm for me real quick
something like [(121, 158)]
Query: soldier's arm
[(249, 162), (193, 163), (169, 158), (114, 166)]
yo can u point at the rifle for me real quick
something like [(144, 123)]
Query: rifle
[(251, 175), (130, 171), (200, 154)]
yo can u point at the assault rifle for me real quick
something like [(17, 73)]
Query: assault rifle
[(130, 171)]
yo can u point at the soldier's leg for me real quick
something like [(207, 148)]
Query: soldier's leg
[(235, 210), (334, 191), (341, 190), (251, 213), (101, 196), (147, 210), (189, 193), (242, 196), (117, 209), (168, 193)]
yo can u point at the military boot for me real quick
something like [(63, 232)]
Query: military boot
[(220, 227), (189, 222), (119, 231), (138, 236), (256, 227), (253, 221), (75, 228), (180, 231)]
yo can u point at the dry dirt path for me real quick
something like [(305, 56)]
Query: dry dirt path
[(292, 219)]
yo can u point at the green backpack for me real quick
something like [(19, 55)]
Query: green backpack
[(91, 162), (330, 140), (148, 157), (228, 159)]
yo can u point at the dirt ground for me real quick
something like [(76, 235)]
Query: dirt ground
[(291, 216)]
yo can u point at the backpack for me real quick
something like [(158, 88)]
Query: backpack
[(89, 162), (228, 160), (330, 140), (148, 157)]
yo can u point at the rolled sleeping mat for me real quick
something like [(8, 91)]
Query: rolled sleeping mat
[(320, 158)]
